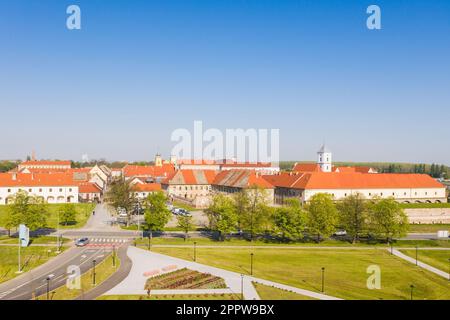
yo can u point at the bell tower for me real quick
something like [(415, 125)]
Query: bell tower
[(324, 159), (158, 160)]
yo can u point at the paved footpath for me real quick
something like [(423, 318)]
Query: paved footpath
[(421, 264), (146, 263)]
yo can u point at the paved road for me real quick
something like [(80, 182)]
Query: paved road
[(421, 264), (34, 282)]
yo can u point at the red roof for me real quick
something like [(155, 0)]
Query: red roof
[(335, 180), (191, 177), (145, 187), (247, 165), (148, 171), (241, 179), (360, 169), (306, 167), (46, 163), (38, 179), (88, 187)]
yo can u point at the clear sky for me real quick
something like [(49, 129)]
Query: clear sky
[(137, 70)]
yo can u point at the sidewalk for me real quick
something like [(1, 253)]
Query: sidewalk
[(145, 262), (420, 264)]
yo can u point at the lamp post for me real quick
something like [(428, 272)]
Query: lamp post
[(114, 256), (417, 249), (93, 272), (195, 250), (412, 288), (57, 235), (251, 263), (448, 269), (242, 287), (48, 288), (323, 279)]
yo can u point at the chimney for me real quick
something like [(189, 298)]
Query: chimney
[(14, 176)]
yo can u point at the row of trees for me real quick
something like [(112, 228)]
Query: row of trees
[(320, 218), (34, 212)]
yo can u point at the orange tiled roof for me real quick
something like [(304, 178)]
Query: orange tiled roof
[(45, 162), (38, 179), (191, 177), (88, 187), (241, 179), (146, 187), (335, 180), (148, 171), (306, 167)]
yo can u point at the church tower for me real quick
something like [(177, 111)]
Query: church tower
[(324, 159), (158, 160)]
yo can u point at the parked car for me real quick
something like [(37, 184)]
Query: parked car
[(176, 211), (82, 242), (340, 233), (184, 212)]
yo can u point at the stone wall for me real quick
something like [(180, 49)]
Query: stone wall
[(428, 215)]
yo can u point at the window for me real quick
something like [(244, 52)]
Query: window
[(9, 190), (50, 190), (30, 190), (40, 190), (70, 189), (60, 189)]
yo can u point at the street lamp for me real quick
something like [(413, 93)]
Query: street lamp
[(323, 279), (195, 250), (93, 272), (242, 287), (114, 256), (412, 288), (49, 277), (417, 249), (251, 263), (448, 269)]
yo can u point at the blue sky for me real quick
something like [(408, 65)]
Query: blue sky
[(137, 70)]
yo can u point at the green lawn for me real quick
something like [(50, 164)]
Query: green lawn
[(345, 270), (327, 243), (103, 271), (172, 297), (436, 258), (38, 240), (424, 205), (31, 258), (428, 228), (84, 211), (272, 293)]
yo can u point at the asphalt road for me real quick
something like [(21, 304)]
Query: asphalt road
[(35, 281)]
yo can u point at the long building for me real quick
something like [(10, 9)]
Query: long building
[(306, 180)]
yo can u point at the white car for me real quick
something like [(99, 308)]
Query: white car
[(340, 233)]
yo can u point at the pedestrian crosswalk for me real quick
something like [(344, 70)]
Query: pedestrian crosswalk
[(106, 242)]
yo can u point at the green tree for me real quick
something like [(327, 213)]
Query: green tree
[(256, 217), (185, 223), (322, 215), (222, 215), (28, 210), (68, 214), (290, 220), (353, 215), (121, 195), (387, 219), (241, 204), (157, 215)]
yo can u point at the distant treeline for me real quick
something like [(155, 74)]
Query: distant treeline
[(434, 170), (6, 165)]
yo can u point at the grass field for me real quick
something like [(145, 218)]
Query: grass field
[(50, 240), (103, 271), (345, 270), (436, 258), (428, 227), (328, 243), (31, 258), (83, 213), (424, 205), (172, 297), (272, 293)]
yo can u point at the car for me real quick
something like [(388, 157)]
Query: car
[(176, 211), (340, 233), (82, 242), (184, 212)]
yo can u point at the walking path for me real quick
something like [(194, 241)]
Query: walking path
[(421, 264), (100, 221), (147, 262)]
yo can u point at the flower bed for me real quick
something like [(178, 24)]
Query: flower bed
[(185, 279)]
